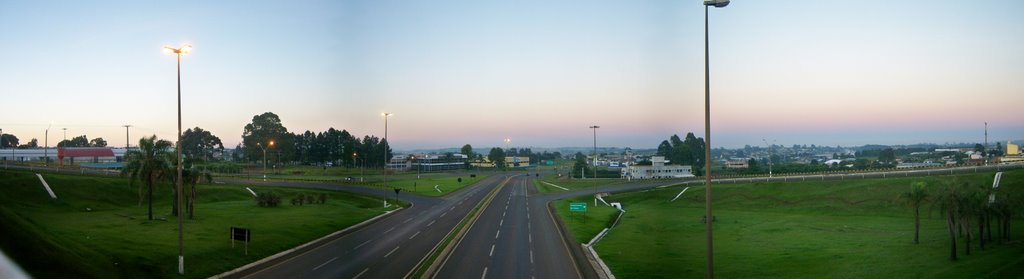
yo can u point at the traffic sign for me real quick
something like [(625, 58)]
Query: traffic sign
[(578, 207)]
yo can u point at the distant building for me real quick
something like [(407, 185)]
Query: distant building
[(1012, 149), (1012, 153), (510, 161), (737, 164), (657, 169), (428, 162)]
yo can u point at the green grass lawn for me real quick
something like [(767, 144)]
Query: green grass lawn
[(424, 185), (845, 229), (571, 184), (96, 228)]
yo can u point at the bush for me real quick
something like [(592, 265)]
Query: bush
[(268, 199), (323, 198), (310, 199), (298, 200)]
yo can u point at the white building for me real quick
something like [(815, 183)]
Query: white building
[(657, 169)]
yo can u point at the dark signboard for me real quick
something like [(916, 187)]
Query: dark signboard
[(240, 234)]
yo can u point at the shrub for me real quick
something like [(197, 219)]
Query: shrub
[(323, 198), (310, 199), (268, 199)]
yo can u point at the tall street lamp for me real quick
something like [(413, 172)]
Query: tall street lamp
[(183, 50), (385, 151), (595, 148), (707, 138), (363, 166), (770, 163), (46, 146), (260, 144)]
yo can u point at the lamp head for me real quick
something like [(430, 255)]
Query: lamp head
[(716, 3)]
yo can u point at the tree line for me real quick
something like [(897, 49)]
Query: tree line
[(266, 135), (688, 151)]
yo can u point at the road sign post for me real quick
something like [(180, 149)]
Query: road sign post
[(241, 234), (578, 207)]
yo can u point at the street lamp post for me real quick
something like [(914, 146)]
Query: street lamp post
[(707, 139), (46, 146), (595, 148), (184, 49), (63, 144), (770, 163), (385, 151), (363, 166), (260, 144)]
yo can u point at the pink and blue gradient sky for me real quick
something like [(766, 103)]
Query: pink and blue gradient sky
[(538, 72)]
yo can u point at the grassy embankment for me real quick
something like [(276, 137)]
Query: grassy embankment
[(849, 229), (571, 184), (408, 181), (97, 229)]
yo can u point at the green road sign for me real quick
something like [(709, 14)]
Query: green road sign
[(578, 207)]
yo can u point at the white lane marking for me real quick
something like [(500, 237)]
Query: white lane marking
[(431, 223), (361, 273), (531, 239), (502, 223), (527, 214), (450, 209), (389, 230), (407, 220), (361, 245), (531, 256), (414, 235), (325, 263), (491, 254), (483, 276), (503, 214), (443, 214), (460, 202), (496, 234), (392, 251)]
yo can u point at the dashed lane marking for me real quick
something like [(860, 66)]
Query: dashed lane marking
[(392, 251), (325, 263), (361, 273)]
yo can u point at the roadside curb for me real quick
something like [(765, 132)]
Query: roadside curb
[(576, 253), (321, 240)]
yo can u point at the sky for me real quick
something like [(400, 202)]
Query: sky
[(536, 72)]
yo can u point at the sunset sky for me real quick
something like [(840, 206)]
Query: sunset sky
[(537, 72)]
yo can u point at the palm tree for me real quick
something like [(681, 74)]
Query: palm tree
[(971, 207), (191, 175), (149, 164), (914, 198), (949, 202)]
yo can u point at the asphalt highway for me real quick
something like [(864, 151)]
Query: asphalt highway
[(388, 248), (511, 241)]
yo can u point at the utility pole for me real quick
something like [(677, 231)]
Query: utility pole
[(984, 150), (127, 139)]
